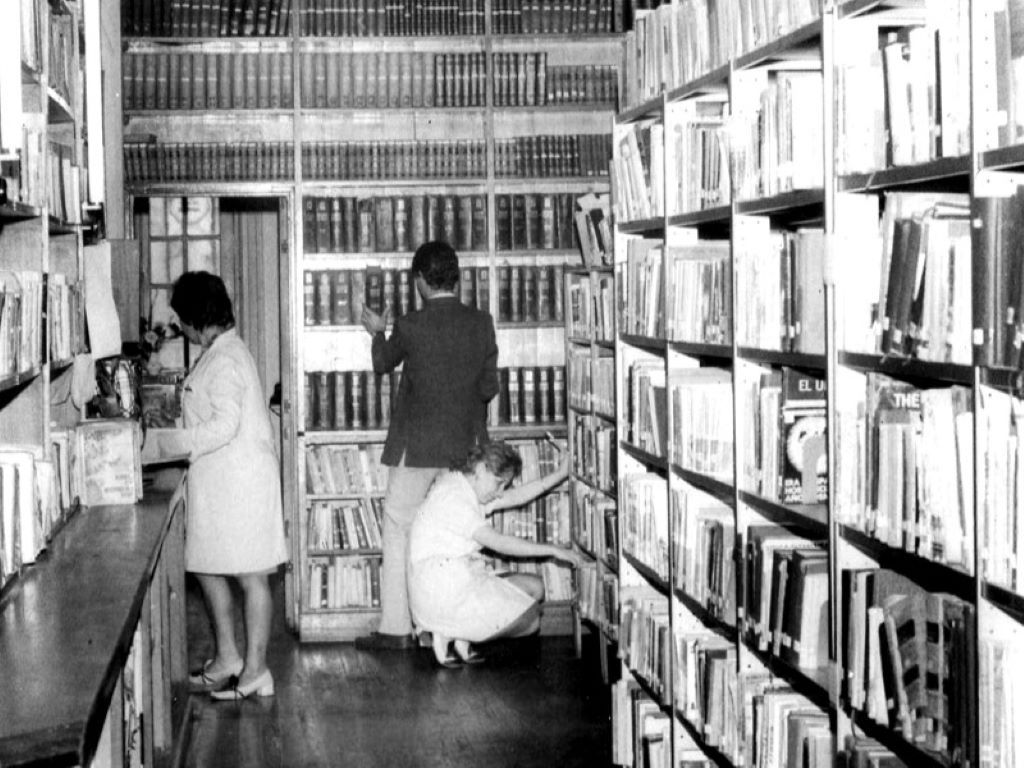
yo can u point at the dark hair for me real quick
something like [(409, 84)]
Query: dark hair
[(201, 300), (437, 263), (500, 458)]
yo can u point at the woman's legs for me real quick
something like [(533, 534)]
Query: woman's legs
[(258, 610), (220, 605)]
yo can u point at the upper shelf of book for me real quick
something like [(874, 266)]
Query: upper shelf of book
[(352, 19)]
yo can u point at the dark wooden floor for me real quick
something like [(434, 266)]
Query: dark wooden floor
[(532, 703)]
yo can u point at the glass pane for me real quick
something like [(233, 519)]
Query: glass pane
[(160, 312), (204, 255), (175, 216), (202, 216), (158, 216)]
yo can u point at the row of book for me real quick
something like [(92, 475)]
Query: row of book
[(784, 435), (393, 79), (65, 318), (593, 229), (696, 156), (907, 280), (342, 400), (338, 296), (643, 515), (95, 462), (361, 18), (529, 395), (779, 286), (542, 221), (702, 547), (526, 293), (345, 469), (544, 520), (345, 525), (62, 71), (399, 18), (33, 15), (552, 155), (591, 305), (413, 159), (908, 660), (902, 94), (21, 327), (1000, 419), (786, 602), (595, 523), (250, 80), (594, 452), (388, 224), (678, 42), (904, 469), (205, 18), (751, 718), (342, 582), (775, 145), (597, 595), (642, 733), (173, 161), (591, 381), (206, 81), (62, 183), (1002, 708), (533, 17)]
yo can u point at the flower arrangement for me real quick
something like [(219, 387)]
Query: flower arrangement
[(153, 339)]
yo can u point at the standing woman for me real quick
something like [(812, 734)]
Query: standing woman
[(235, 527)]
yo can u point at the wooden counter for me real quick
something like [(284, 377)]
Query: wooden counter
[(67, 626)]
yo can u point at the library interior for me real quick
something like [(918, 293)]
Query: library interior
[(704, 239)]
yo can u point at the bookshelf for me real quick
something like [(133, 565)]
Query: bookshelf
[(816, 366), (44, 174), (382, 126)]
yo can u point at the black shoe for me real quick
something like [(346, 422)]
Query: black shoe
[(376, 641)]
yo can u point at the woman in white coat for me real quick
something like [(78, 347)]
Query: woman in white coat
[(235, 526)]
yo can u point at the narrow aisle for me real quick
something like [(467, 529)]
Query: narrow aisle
[(531, 703)]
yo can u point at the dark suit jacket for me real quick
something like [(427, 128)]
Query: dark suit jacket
[(449, 359)]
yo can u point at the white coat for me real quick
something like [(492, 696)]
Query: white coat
[(235, 523)]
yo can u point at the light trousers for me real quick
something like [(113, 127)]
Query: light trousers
[(407, 487)]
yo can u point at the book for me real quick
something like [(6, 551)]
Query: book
[(803, 475), (108, 464)]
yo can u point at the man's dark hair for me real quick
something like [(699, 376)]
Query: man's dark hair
[(499, 457), (437, 263), (201, 300)]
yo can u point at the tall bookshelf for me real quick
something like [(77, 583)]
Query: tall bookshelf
[(385, 125), (817, 376), (43, 169)]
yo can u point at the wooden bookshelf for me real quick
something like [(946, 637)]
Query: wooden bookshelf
[(381, 125), (852, 179)]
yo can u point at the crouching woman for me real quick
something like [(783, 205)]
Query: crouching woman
[(451, 593)]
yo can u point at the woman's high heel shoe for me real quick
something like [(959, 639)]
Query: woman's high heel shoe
[(263, 685), (447, 660), (202, 677)]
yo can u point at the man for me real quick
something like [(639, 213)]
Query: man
[(449, 357)]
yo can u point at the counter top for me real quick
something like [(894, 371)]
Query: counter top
[(66, 628)]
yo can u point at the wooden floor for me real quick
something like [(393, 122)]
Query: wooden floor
[(532, 703)]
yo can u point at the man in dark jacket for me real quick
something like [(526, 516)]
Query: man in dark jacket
[(449, 358)]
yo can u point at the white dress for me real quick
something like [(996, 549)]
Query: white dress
[(450, 590), (235, 523)]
